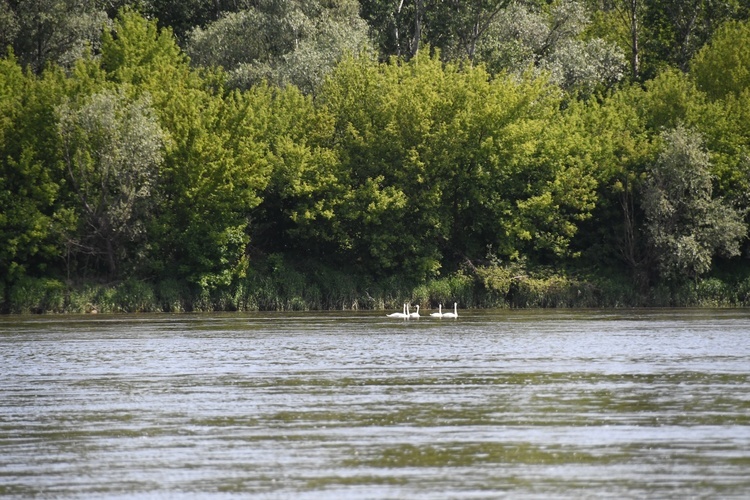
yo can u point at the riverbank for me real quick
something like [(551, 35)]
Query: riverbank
[(284, 288)]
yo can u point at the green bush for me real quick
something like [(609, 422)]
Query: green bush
[(83, 299), (613, 291), (135, 296), (553, 292), (713, 292), (421, 295), (36, 295), (439, 291), (172, 296), (340, 290), (742, 292)]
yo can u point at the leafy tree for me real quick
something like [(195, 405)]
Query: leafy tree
[(457, 26), (675, 30), (31, 215), (136, 52), (619, 146), (26, 189), (303, 192), (629, 13), (623, 136), (551, 39), (373, 201), (443, 163), (282, 42), (181, 16), (57, 31), (392, 25), (234, 39), (213, 167), (685, 224), (722, 68), (670, 99), (112, 149), (8, 26)]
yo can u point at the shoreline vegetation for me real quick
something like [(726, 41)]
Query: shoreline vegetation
[(287, 289), (148, 166)]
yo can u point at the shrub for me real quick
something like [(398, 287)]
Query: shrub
[(36, 295), (172, 296), (713, 292), (135, 296), (742, 292), (83, 299)]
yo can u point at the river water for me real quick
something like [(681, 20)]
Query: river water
[(503, 403)]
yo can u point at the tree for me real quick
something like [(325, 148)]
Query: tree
[(675, 30), (56, 31), (112, 149), (722, 67), (28, 188), (33, 212), (551, 40), (457, 26), (686, 226), (8, 26), (304, 190), (281, 42), (136, 52), (467, 162), (213, 169), (720, 70), (395, 25), (181, 16), (630, 14), (378, 112)]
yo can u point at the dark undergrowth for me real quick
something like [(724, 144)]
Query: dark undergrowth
[(278, 286)]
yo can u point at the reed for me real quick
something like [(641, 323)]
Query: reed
[(36, 295), (173, 296), (135, 296), (275, 284)]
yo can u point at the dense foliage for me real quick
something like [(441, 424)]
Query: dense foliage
[(285, 154)]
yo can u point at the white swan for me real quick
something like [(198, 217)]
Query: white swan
[(401, 315), (416, 314), (438, 314), (454, 314)]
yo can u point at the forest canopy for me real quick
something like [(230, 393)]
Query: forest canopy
[(276, 154)]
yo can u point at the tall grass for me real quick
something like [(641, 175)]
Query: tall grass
[(278, 285), (36, 295)]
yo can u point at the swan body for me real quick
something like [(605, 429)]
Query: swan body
[(415, 314), (438, 314), (454, 314), (402, 315)]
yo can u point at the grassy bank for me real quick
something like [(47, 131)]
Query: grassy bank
[(277, 286)]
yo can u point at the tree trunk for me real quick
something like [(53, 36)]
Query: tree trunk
[(419, 8), (111, 259), (396, 33), (635, 64)]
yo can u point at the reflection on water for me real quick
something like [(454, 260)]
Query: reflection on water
[(532, 404)]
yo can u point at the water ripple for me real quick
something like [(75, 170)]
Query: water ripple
[(528, 404)]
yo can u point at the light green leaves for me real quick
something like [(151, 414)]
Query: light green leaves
[(443, 161), (723, 66)]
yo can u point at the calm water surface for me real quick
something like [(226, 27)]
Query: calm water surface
[(517, 404)]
